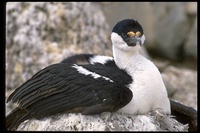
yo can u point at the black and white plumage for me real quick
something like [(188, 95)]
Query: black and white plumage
[(130, 84), (181, 112)]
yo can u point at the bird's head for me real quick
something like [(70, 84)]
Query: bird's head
[(127, 35)]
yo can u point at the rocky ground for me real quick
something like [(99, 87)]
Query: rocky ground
[(104, 122)]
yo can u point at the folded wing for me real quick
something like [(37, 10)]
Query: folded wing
[(64, 87)]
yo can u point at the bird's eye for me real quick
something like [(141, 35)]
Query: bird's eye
[(124, 35), (137, 33)]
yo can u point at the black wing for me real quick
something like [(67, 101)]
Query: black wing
[(60, 87)]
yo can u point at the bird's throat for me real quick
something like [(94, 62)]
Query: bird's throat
[(124, 59)]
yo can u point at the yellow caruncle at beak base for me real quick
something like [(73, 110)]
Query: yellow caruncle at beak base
[(131, 34), (138, 33)]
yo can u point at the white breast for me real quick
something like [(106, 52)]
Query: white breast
[(149, 92)]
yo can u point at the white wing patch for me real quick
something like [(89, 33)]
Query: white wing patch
[(100, 59), (84, 71)]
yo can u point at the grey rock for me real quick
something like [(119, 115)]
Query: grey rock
[(104, 122), (172, 28), (190, 47), (181, 84), (191, 8), (42, 33)]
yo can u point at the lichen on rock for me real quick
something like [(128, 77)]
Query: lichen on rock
[(104, 122)]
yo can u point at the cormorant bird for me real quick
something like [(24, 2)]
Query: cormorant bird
[(128, 83), (181, 112)]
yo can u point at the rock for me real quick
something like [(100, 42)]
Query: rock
[(104, 122), (170, 33), (190, 47), (181, 84), (42, 33), (191, 8)]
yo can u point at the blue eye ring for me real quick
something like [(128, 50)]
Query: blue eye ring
[(124, 35)]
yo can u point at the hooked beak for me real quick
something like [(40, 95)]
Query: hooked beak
[(133, 41), (133, 38)]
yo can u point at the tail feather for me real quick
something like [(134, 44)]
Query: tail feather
[(15, 118), (184, 114)]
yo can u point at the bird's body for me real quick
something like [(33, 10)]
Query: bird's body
[(128, 83), (147, 84), (144, 75), (184, 114)]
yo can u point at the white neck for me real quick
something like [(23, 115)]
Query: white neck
[(125, 58), (124, 55)]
